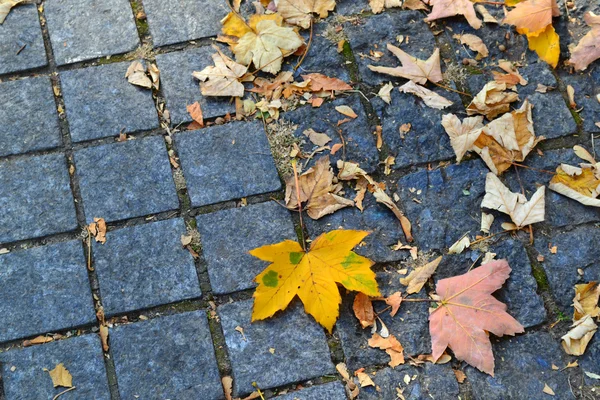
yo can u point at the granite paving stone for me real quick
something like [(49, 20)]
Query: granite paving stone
[(227, 236), (374, 33), (125, 180), (587, 87), (169, 357), (428, 382), (349, 7), (329, 391), (25, 371), (181, 89), (87, 29), (590, 361), (410, 326), (226, 162), (427, 141), (44, 289), (358, 135), (21, 42), (295, 337), (182, 20), (444, 204), (575, 249), (519, 292), (523, 367), (99, 102), (35, 198), (145, 266), (28, 116)]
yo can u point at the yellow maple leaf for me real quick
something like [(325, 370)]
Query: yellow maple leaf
[(312, 275), (546, 44)]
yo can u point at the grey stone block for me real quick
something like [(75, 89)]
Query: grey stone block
[(226, 162), (348, 7), (21, 33), (328, 391), (145, 266), (374, 33), (429, 382), (447, 202), (410, 326), (575, 249), (296, 339), (523, 367), (99, 102), (519, 292), (35, 198), (28, 116), (126, 179), (25, 379), (182, 20), (358, 135), (167, 357), (87, 29), (227, 236), (181, 89), (44, 289), (587, 87)]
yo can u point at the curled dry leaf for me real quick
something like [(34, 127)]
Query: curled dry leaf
[(460, 245), (487, 17), (580, 184), (37, 340), (299, 12), (394, 300), (460, 376), (414, 5), (417, 278), (586, 300), (136, 75), (585, 304), (492, 100), (227, 383), (363, 310), (98, 230), (412, 68), (377, 6), (486, 222), (450, 8), (467, 311), (350, 385), (6, 6), (475, 43), (391, 345), (512, 76), (222, 79), (462, 134), (195, 112), (431, 98), (363, 378), (104, 337), (522, 212), (385, 92), (61, 376), (588, 48), (154, 73)]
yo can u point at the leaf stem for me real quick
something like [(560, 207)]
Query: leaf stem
[(452, 90), (63, 392), (420, 300), (307, 46), (297, 182), (490, 236), (531, 168)]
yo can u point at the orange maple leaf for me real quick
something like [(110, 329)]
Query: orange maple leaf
[(533, 16), (467, 312), (450, 8)]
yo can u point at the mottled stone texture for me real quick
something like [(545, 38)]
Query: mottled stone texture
[(125, 180), (145, 266), (86, 29), (409, 326), (44, 289), (590, 361), (28, 116), (358, 135), (523, 367), (182, 20), (296, 339), (328, 391), (100, 102), (25, 371), (35, 198), (21, 33), (587, 87), (181, 89), (227, 237), (166, 358), (226, 162)]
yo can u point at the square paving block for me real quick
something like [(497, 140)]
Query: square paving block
[(181, 89), (145, 266), (99, 102), (328, 391), (21, 42), (268, 349), (35, 198), (227, 237), (28, 117), (87, 29), (25, 379), (166, 358), (44, 289), (226, 162), (177, 21), (127, 179)]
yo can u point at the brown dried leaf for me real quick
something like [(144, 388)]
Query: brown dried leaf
[(136, 75), (195, 112), (412, 68), (391, 345), (450, 8), (462, 134), (222, 79), (61, 376), (588, 48), (37, 340), (98, 230), (319, 139), (346, 110), (460, 376), (6, 6), (363, 310), (417, 278), (104, 337), (319, 82), (475, 43), (227, 383), (377, 6), (394, 300), (492, 100)]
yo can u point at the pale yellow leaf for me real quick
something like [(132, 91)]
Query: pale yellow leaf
[(417, 278), (430, 98)]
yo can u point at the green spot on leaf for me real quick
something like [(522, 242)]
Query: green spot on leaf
[(350, 260), (270, 279), (295, 257)]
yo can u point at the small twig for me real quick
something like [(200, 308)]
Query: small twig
[(21, 49), (307, 46), (531, 168), (299, 203), (382, 311), (452, 90), (420, 300), (490, 236), (63, 392), (89, 248), (474, 262)]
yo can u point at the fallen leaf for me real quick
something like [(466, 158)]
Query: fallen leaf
[(533, 16), (312, 275), (460, 245), (154, 73), (586, 308), (61, 376), (186, 240), (98, 230), (588, 48), (5, 7), (486, 222), (37, 340), (299, 12), (394, 300), (475, 43), (571, 96), (547, 45), (319, 139), (136, 75), (222, 79), (241, 331), (462, 134), (104, 337), (412, 68), (580, 184), (351, 387), (586, 300), (388, 162), (522, 212), (195, 112), (417, 278), (363, 310), (319, 82), (548, 390), (227, 383), (414, 5), (392, 347), (467, 311), (347, 111), (487, 17), (460, 376), (377, 6), (512, 76), (492, 100), (450, 8), (431, 98), (364, 379), (385, 92)]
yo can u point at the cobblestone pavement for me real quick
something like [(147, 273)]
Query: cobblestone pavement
[(63, 103)]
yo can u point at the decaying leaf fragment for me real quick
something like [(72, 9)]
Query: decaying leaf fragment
[(363, 310), (6, 6), (391, 345), (431, 98), (299, 12), (136, 75), (467, 311), (412, 68), (583, 329), (97, 230), (222, 79), (195, 112), (417, 278), (588, 48), (475, 43), (450, 8), (492, 100), (313, 275), (61, 376)]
